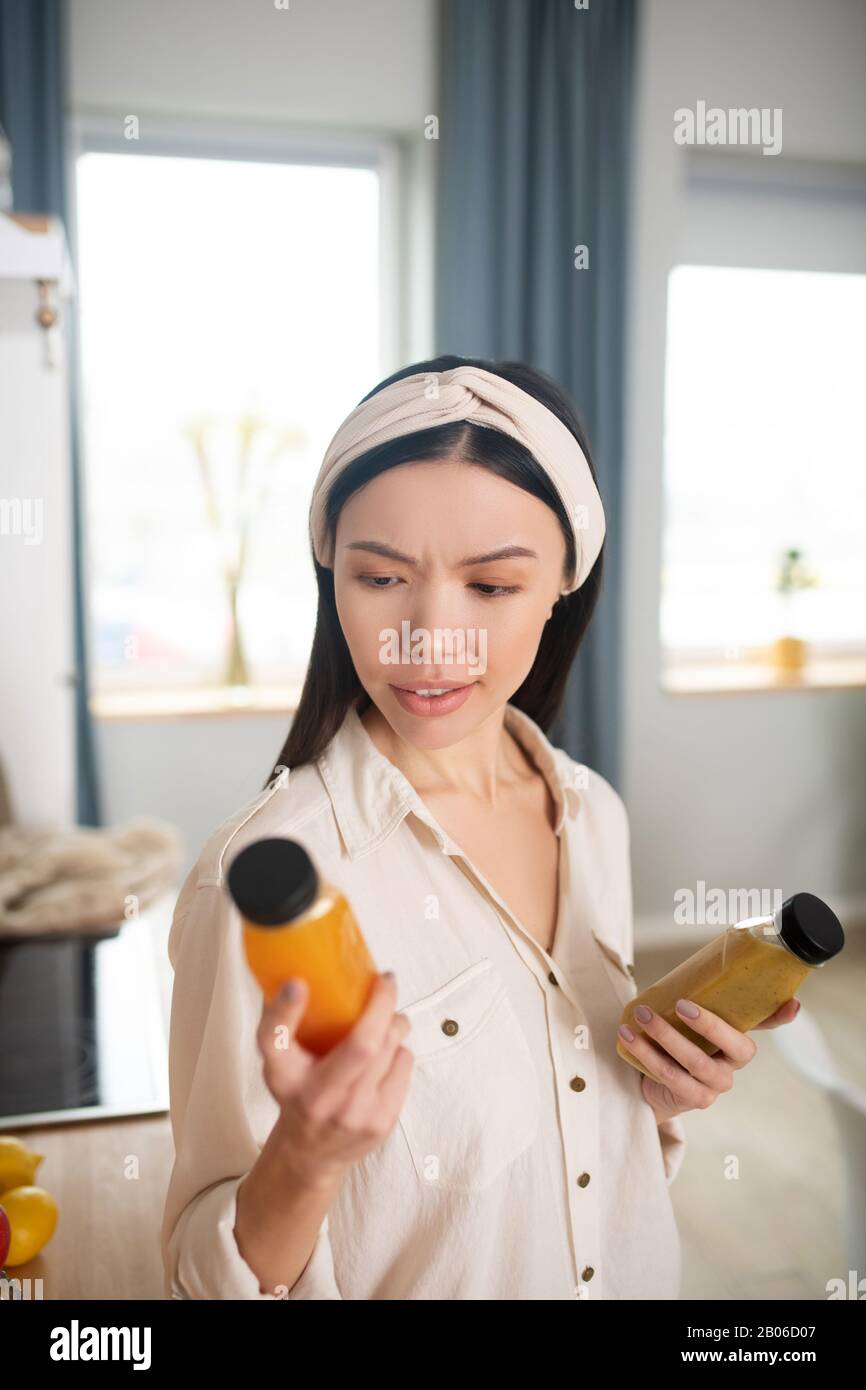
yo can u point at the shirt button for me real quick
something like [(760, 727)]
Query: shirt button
[(552, 978), (587, 1273), (577, 1083), (450, 1026), (583, 1180)]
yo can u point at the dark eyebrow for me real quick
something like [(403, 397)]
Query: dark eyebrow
[(505, 552)]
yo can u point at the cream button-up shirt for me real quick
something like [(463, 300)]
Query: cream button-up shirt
[(526, 1163)]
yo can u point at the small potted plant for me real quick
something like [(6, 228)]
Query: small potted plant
[(789, 651)]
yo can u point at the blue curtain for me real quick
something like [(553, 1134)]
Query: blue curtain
[(32, 104), (534, 160)]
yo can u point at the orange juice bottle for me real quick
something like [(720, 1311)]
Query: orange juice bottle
[(296, 925), (746, 972)]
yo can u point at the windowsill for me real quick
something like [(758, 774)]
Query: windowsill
[(746, 675), (195, 702), (754, 673)]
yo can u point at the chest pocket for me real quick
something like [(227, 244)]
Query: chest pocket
[(619, 970), (473, 1103)]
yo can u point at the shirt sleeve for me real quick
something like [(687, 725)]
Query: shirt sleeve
[(221, 1109), (673, 1141), (672, 1135)]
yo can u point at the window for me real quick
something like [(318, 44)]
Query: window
[(231, 314), (763, 568), (764, 453)]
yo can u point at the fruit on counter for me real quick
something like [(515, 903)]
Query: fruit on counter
[(32, 1214), (18, 1164), (5, 1236)]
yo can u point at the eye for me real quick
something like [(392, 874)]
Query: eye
[(383, 581), (375, 581), (501, 589)]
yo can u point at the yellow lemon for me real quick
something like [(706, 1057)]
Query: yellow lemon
[(33, 1215), (18, 1164)]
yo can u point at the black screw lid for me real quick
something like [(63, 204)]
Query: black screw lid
[(810, 928), (272, 881)]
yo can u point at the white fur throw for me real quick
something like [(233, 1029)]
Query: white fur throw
[(84, 880)]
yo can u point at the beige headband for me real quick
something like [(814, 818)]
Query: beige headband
[(427, 399)]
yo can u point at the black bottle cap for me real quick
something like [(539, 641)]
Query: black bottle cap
[(810, 928), (272, 881)]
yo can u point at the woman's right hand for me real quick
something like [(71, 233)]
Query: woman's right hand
[(336, 1108)]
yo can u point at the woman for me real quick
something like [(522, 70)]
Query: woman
[(476, 1135)]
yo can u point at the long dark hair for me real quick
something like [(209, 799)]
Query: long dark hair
[(331, 685)]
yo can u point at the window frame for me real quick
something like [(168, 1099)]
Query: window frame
[(251, 142)]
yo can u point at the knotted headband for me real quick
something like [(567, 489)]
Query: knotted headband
[(426, 399)]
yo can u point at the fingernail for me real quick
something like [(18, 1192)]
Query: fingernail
[(388, 975), (797, 1010), (643, 1014), (290, 992), (687, 1008), (626, 1033)]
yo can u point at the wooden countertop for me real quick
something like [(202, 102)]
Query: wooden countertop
[(109, 1179)]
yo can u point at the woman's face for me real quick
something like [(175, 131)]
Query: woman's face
[(434, 618)]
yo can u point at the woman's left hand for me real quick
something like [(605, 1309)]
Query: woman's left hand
[(684, 1077)]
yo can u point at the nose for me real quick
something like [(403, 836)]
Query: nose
[(437, 604), (437, 643)]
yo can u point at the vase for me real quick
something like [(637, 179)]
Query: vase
[(236, 670), (788, 653)]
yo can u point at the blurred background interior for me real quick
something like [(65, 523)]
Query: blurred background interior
[(220, 225)]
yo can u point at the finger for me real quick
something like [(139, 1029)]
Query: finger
[(395, 1083), (398, 1029), (285, 1062), (685, 1089), (712, 1071), (335, 1073), (733, 1047), (785, 1013), (364, 1097)]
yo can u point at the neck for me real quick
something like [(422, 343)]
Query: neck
[(481, 765)]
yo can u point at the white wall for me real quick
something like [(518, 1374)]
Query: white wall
[(762, 790), (357, 63), (193, 772), (37, 699)]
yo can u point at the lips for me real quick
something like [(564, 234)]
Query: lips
[(433, 685), (427, 706)]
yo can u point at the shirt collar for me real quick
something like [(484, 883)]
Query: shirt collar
[(371, 796)]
